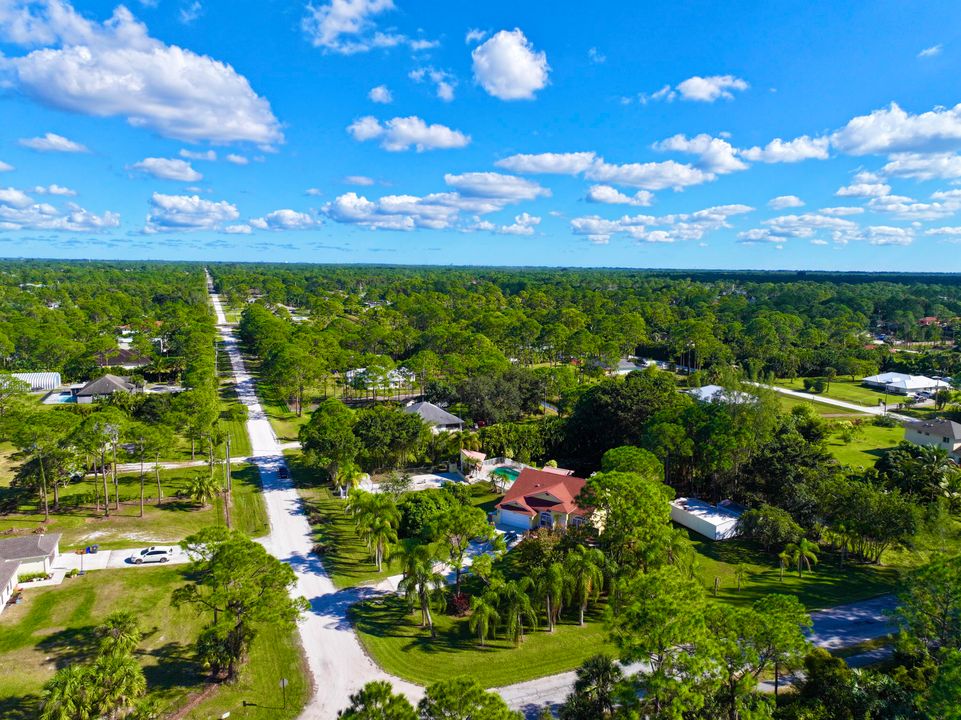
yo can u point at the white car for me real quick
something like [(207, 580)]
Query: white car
[(152, 555)]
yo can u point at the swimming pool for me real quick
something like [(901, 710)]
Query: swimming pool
[(59, 398)]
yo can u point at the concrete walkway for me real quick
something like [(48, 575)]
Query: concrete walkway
[(867, 410), (337, 661)]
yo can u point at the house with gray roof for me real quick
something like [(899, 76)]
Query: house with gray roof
[(104, 387), (945, 434), (439, 419), (24, 555)]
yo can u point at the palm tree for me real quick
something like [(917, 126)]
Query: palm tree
[(802, 553), (740, 574), (483, 616), (119, 633), (549, 587), (377, 519), (119, 680), (202, 488), (421, 584), (596, 685), (517, 608), (348, 475), (585, 575), (67, 695)]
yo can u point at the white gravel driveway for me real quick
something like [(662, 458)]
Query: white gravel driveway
[(335, 657)]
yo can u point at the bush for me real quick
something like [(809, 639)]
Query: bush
[(814, 385), (885, 421), (73, 573), (30, 577)]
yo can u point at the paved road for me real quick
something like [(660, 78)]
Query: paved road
[(867, 410), (838, 627), (335, 657)]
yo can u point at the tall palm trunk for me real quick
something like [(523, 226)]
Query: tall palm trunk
[(141, 483), (96, 485), (43, 486), (106, 490), (156, 468), (116, 485)]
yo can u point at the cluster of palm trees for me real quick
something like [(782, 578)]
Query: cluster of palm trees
[(376, 518), (107, 687), (576, 581), (803, 555)]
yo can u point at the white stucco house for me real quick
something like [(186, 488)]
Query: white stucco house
[(897, 383), (945, 434), (24, 555), (715, 522)]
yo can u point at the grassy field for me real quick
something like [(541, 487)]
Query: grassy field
[(866, 449), (53, 627), (169, 522), (846, 390), (788, 403), (394, 639), (827, 586)]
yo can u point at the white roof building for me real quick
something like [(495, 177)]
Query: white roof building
[(713, 522), (39, 380), (903, 384), (717, 393)]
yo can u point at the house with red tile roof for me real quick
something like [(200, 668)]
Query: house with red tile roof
[(541, 499)]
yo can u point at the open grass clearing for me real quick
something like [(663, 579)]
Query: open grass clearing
[(851, 391), (867, 448), (828, 585), (394, 639), (789, 402), (171, 521), (54, 627)]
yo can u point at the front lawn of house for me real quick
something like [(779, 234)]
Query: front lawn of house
[(53, 626), (394, 639), (170, 522), (865, 450), (851, 391)]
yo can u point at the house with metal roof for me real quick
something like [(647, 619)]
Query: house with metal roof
[(715, 522), (897, 383), (39, 381), (439, 419)]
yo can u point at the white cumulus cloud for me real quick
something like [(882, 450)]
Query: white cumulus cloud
[(285, 219), (116, 69), (5, 167), (710, 88), (508, 67), (381, 94), (235, 159), (51, 142), (54, 190), (785, 201), (893, 130), (495, 185), (789, 151), (402, 133), (168, 169), (931, 51), (348, 27), (612, 196), (184, 213), (716, 154)]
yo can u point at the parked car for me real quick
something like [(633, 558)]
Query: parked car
[(152, 555), (283, 473)]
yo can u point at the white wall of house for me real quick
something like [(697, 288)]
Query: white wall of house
[(921, 437), (34, 565), (6, 592)]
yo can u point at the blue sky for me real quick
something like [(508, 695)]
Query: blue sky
[(753, 135)]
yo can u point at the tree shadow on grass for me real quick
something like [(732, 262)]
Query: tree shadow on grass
[(69, 645), (22, 707), (176, 667)]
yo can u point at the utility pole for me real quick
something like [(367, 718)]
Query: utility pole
[(227, 493)]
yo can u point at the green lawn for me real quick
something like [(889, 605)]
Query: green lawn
[(346, 559), (169, 522), (53, 627), (847, 390), (827, 586), (395, 641), (866, 449), (237, 429), (788, 403)]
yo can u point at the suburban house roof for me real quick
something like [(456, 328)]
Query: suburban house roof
[(940, 427), (122, 357), (8, 569), (904, 381), (106, 385), (29, 547), (716, 515), (717, 393), (535, 491), (557, 470), (433, 415)]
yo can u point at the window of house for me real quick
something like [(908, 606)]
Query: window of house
[(577, 521), (547, 520)]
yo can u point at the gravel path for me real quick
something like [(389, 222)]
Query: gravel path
[(867, 410), (335, 657)]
